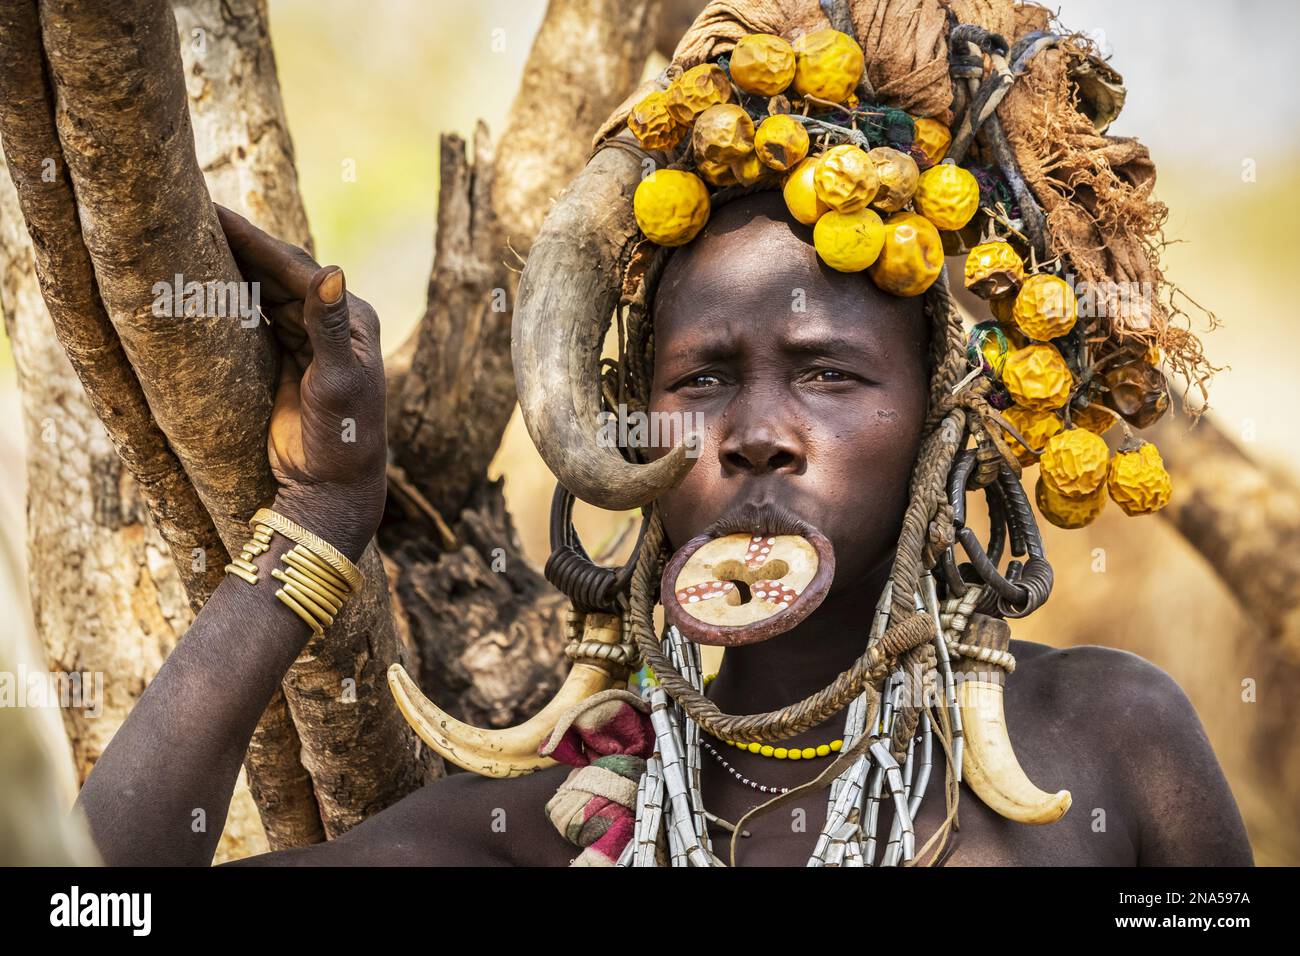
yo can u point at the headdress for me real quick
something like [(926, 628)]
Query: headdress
[(900, 130)]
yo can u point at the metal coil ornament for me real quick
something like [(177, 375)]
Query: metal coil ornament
[(1026, 584), (591, 587)]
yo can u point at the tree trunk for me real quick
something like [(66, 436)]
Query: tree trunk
[(106, 597), (487, 625), (126, 183), (1243, 518)]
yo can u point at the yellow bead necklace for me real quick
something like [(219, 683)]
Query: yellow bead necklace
[(781, 753)]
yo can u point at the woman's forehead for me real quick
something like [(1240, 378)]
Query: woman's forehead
[(754, 267)]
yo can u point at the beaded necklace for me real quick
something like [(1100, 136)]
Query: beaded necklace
[(670, 809)]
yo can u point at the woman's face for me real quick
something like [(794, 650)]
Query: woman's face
[(811, 384)]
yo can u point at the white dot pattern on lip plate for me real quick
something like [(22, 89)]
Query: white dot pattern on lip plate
[(772, 592), (758, 550), (703, 592)]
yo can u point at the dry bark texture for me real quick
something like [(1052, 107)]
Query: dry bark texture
[(136, 194), (587, 55), (1243, 518), (146, 218), (86, 333), (241, 138), (67, 276)]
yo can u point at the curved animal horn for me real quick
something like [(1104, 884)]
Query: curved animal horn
[(567, 295), (511, 752), (990, 766)]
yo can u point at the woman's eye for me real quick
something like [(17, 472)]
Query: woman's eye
[(829, 375), (701, 381)]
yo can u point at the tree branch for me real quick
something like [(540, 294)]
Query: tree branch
[(1244, 519), (83, 328)]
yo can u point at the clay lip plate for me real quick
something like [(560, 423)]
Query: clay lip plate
[(787, 577)]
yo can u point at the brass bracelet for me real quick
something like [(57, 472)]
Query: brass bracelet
[(312, 544), (315, 577)]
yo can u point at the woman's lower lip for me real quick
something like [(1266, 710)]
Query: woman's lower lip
[(742, 588)]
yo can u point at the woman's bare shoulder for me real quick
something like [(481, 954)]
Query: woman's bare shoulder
[(1129, 716), (459, 820)]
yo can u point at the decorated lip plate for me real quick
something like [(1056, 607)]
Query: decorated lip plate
[(744, 588)]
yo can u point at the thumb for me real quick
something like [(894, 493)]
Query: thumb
[(325, 314)]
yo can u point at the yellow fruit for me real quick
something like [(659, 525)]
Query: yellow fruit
[(781, 142), (993, 345), (652, 124), (696, 90), (801, 196), (717, 174), (912, 255), (1138, 391), (722, 133), (1065, 512), (1036, 427), (828, 65), (1014, 335), (898, 176), (1045, 308), (947, 195), (763, 64), (1138, 481), (934, 139), (749, 170), (993, 269), (671, 206), (1074, 462), (1095, 418), (1001, 307), (1037, 377), (845, 178), (849, 241)]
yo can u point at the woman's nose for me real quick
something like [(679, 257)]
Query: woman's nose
[(762, 446)]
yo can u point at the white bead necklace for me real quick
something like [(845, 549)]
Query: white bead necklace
[(669, 805)]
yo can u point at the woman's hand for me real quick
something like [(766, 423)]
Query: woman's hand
[(327, 443)]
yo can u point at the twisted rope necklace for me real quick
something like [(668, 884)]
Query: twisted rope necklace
[(670, 809)]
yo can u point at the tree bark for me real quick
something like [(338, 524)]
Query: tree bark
[(588, 56), (147, 222), (35, 161)]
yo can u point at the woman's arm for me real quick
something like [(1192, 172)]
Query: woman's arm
[(160, 792)]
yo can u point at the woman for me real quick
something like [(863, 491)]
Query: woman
[(820, 411)]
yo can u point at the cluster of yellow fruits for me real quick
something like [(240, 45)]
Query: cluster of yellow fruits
[(878, 210), (842, 192), (1077, 470)]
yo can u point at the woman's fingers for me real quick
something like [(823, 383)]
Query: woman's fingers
[(325, 314), (287, 324), (283, 270)]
